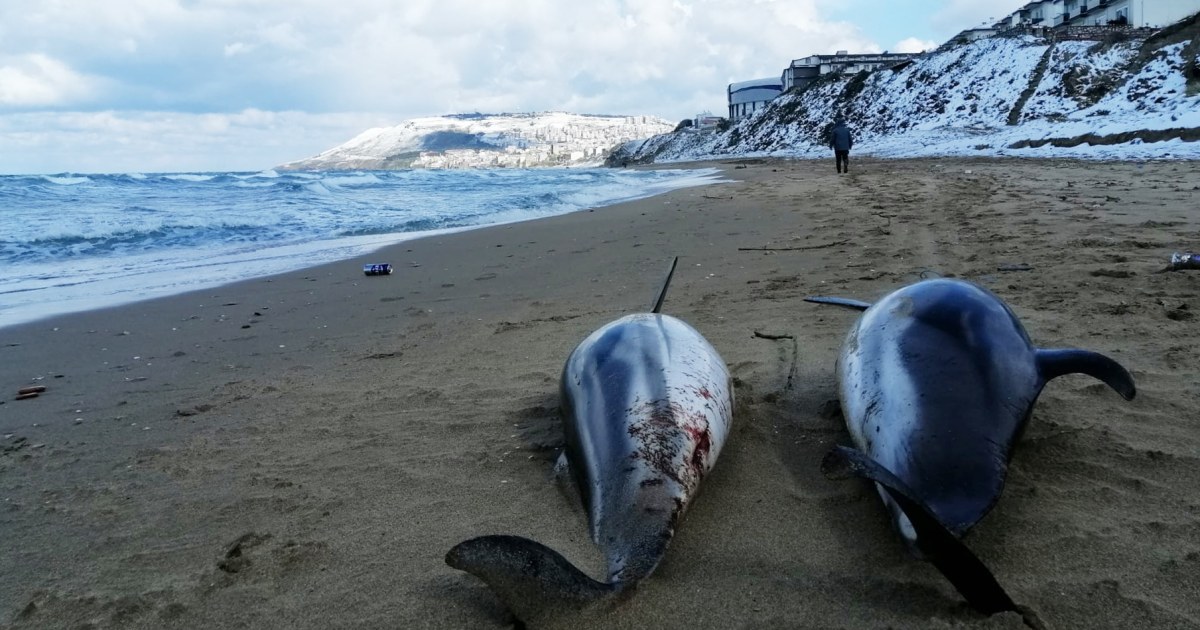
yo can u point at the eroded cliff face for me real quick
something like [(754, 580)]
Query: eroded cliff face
[(1137, 98), (487, 141)]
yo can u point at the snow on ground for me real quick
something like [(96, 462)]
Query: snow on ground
[(1077, 75), (473, 140), (969, 86), (958, 103), (1155, 97)]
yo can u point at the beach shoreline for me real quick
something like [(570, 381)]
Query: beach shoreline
[(118, 242), (301, 450)]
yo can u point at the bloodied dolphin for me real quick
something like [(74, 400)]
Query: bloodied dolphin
[(937, 382), (647, 405)]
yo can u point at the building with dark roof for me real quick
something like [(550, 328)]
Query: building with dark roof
[(747, 97), (801, 72)]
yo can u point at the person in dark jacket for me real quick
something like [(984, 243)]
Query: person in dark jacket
[(841, 140)]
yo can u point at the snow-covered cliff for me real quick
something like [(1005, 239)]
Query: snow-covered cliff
[(1022, 96), (484, 141)]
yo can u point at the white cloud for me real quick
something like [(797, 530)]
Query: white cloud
[(107, 142), (283, 36), (237, 48), (671, 58), (430, 56), (38, 80), (914, 45)]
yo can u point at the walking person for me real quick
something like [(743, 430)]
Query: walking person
[(841, 140)]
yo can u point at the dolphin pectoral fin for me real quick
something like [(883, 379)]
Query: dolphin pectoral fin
[(952, 558), (837, 301), (562, 468), (1054, 363), (563, 478), (533, 580)]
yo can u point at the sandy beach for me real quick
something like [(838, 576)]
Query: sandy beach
[(301, 451)]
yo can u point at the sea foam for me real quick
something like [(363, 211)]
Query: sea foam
[(71, 242)]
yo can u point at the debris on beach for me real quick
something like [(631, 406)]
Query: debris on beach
[(1180, 312), (33, 391), (1014, 267), (1182, 261), (198, 409), (378, 269), (1112, 273)]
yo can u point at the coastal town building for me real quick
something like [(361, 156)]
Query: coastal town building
[(747, 97), (1067, 13), (1136, 13), (979, 32), (801, 72), (1040, 14), (1063, 18)]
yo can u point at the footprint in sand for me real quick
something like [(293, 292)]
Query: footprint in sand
[(256, 552)]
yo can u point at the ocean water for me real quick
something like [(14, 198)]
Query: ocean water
[(78, 242)]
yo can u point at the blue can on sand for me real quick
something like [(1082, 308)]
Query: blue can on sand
[(380, 269)]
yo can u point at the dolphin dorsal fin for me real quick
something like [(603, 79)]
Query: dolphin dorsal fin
[(533, 580), (944, 550), (662, 293), (1057, 362), (837, 301)]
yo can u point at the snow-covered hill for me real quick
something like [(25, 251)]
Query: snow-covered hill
[(1020, 96), (481, 141)]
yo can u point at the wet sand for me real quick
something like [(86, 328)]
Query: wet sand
[(301, 451)]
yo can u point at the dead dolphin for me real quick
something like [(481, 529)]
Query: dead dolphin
[(937, 383), (647, 405)]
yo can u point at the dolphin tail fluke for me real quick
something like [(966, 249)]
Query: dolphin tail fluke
[(662, 293), (952, 558), (533, 580), (1053, 363), (837, 301)]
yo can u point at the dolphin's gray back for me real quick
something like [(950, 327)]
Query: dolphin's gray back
[(947, 377)]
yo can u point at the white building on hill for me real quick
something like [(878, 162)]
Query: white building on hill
[(747, 97), (801, 72), (1138, 13)]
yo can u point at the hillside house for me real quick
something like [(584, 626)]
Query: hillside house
[(747, 97), (801, 72), (1136, 13), (1032, 14), (1068, 13), (977, 33)]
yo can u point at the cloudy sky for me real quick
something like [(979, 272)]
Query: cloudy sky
[(217, 85)]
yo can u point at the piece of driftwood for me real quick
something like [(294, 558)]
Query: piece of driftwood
[(791, 378), (791, 249)]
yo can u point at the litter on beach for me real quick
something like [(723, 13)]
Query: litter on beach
[(1182, 261), (380, 269)]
